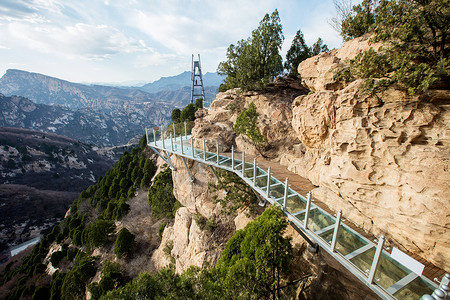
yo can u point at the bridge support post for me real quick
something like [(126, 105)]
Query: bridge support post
[(146, 135), (162, 137), (174, 132), (308, 207), (232, 157), (166, 160), (376, 259), (192, 146), (154, 136), (336, 230), (214, 172), (185, 130), (268, 183), (204, 150), (254, 171), (181, 143), (191, 179), (170, 160), (217, 151), (243, 164), (286, 189), (171, 141)]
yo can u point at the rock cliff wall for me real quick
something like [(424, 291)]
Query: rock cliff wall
[(184, 243), (381, 158)]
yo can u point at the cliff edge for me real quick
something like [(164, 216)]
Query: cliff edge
[(383, 158)]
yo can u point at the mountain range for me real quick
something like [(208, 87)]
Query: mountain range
[(44, 89), (101, 115)]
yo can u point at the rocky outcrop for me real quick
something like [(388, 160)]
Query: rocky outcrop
[(318, 72), (381, 158), (184, 243)]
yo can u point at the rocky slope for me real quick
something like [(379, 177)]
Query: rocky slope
[(381, 158), (40, 175), (89, 125)]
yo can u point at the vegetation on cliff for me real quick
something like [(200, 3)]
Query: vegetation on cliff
[(254, 62), (414, 33), (299, 51), (239, 195), (251, 267), (246, 123), (90, 225)]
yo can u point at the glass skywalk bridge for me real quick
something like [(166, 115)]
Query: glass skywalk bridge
[(368, 261)]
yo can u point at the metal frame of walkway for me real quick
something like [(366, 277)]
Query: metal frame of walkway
[(368, 261)]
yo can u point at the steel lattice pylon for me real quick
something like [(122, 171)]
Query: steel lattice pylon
[(197, 90)]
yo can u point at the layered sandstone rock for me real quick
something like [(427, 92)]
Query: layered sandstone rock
[(381, 158), (183, 242)]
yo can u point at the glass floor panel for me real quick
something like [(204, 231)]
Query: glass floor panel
[(388, 271), (260, 171), (261, 182), (277, 192), (317, 220), (237, 165), (414, 290), (211, 157), (346, 243), (248, 165), (226, 163), (364, 260), (249, 173), (295, 204), (198, 153)]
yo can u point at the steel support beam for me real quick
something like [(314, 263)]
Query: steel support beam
[(191, 178)]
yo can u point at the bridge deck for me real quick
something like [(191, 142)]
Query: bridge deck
[(358, 251)]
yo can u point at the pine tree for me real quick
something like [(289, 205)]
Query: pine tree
[(254, 62), (298, 52), (319, 47)]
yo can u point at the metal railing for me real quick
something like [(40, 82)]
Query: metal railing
[(364, 258)]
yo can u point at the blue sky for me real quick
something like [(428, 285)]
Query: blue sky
[(128, 40)]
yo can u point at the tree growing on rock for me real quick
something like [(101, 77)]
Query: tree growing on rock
[(254, 62), (298, 52)]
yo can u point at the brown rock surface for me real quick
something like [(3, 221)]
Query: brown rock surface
[(187, 244), (317, 72), (383, 159)]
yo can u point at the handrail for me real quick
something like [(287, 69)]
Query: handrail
[(368, 261)]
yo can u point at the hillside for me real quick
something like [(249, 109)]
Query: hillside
[(41, 174), (94, 126), (48, 90), (42, 89)]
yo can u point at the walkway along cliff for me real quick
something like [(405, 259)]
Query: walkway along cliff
[(382, 159)]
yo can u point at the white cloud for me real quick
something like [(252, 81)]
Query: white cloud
[(81, 40), (142, 38)]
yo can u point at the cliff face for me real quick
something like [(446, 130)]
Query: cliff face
[(382, 158), (184, 242)]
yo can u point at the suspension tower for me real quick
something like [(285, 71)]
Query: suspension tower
[(197, 90)]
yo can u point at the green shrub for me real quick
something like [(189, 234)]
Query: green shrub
[(161, 229), (124, 243), (160, 195), (74, 283), (188, 113), (246, 123), (56, 258), (99, 231), (71, 253)]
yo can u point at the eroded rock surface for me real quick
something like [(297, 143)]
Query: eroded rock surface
[(382, 158)]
